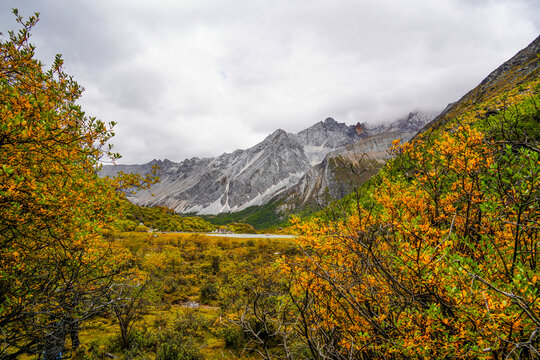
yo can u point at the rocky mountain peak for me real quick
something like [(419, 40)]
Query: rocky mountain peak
[(329, 121), (277, 137), (413, 121), (276, 134), (160, 164)]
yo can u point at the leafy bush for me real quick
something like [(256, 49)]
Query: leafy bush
[(234, 337), (189, 323), (241, 228), (138, 340), (445, 255), (209, 291), (216, 264), (160, 322), (178, 349), (141, 228)]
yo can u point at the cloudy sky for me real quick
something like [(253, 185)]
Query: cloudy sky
[(188, 78)]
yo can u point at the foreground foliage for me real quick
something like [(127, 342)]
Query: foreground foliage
[(55, 269), (438, 259)]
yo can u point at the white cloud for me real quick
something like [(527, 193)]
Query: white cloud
[(197, 78)]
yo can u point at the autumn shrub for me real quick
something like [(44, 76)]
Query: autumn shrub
[(216, 264), (95, 349), (56, 270), (241, 228), (160, 322), (141, 341), (125, 225), (441, 260), (141, 228)]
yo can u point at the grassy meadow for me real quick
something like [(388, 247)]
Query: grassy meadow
[(195, 287)]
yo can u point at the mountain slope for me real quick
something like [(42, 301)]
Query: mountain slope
[(323, 137), (227, 182), (521, 68)]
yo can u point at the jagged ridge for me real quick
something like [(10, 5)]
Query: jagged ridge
[(243, 178)]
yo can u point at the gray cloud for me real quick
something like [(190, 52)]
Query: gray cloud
[(200, 77)]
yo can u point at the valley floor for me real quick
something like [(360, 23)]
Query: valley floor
[(196, 289)]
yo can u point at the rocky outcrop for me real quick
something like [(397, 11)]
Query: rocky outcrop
[(360, 128), (325, 136), (344, 169)]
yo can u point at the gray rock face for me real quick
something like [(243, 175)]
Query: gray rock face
[(282, 161), (326, 136), (351, 165), (343, 170)]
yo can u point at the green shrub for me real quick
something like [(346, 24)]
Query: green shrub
[(141, 228), (209, 292), (178, 349), (160, 322), (242, 228), (234, 337), (97, 348), (188, 323), (216, 264), (138, 340)]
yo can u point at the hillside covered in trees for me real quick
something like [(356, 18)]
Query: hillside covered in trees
[(159, 218)]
